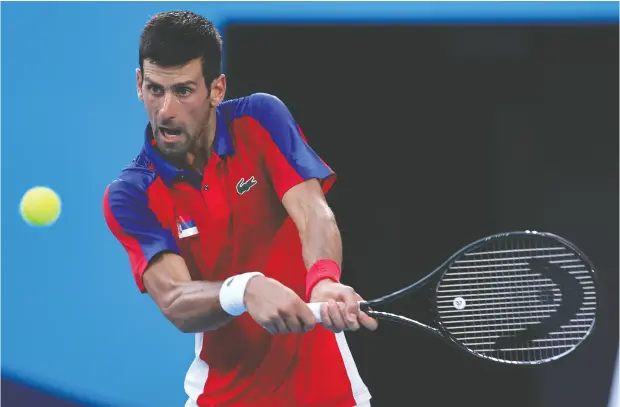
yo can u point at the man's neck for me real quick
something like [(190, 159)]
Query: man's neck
[(198, 159)]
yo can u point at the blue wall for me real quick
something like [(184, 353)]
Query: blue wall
[(72, 318)]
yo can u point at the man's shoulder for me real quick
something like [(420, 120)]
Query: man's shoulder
[(259, 106), (135, 178)]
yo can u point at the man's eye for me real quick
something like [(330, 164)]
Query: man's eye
[(183, 91), (156, 90)]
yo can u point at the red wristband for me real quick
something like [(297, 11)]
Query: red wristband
[(322, 269)]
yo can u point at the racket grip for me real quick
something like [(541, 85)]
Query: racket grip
[(315, 307)]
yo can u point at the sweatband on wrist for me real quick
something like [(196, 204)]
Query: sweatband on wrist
[(232, 292), (321, 270)]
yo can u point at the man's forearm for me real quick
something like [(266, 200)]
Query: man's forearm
[(321, 239), (195, 307)]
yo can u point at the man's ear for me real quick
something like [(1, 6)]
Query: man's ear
[(139, 80), (218, 90)]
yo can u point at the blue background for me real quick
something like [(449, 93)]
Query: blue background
[(72, 317)]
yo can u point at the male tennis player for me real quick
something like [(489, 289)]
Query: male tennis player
[(226, 226)]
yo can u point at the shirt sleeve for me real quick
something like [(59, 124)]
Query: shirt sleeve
[(288, 158), (135, 225)]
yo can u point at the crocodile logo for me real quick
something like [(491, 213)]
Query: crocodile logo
[(244, 186)]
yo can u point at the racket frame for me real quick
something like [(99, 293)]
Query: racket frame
[(438, 273)]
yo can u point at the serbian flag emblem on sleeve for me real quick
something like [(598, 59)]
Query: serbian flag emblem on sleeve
[(187, 227)]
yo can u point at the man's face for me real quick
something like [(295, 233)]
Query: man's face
[(178, 105)]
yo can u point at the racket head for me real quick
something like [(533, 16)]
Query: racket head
[(522, 298)]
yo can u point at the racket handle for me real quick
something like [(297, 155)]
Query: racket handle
[(315, 307)]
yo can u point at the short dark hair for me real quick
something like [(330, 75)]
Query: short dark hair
[(176, 37)]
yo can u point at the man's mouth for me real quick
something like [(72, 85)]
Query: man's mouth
[(169, 133)]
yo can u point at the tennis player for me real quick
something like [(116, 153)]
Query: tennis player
[(225, 222)]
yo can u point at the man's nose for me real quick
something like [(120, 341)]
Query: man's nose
[(170, 107)]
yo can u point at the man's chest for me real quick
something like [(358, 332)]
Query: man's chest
[(233, 191), (227, 219)]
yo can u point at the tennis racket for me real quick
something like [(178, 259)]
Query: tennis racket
[(520, 298)]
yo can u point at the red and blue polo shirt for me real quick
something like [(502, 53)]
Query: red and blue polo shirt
[(229, 221)]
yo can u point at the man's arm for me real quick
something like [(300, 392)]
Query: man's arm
[(157, 267), (315, 221), (193, 306), (300, 178), (196, 306), (321, 241)]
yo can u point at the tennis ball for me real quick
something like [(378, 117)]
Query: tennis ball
[(40, 206)]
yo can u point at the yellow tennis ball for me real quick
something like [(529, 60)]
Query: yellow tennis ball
[(40, 206)]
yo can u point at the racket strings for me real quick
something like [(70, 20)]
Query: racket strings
[(495, 299)]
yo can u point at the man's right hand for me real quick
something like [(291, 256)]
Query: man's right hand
[(276, 307)]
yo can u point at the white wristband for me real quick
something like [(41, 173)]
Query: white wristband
[(233, 291)]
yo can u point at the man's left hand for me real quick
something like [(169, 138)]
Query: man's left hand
[(342, 309)]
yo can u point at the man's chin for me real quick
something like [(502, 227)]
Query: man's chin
[(174, 149)]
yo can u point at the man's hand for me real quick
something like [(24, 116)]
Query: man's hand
[(276, 307), (342, 310)]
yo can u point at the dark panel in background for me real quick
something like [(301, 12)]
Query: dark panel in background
[(441, 135), (16, 393)]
